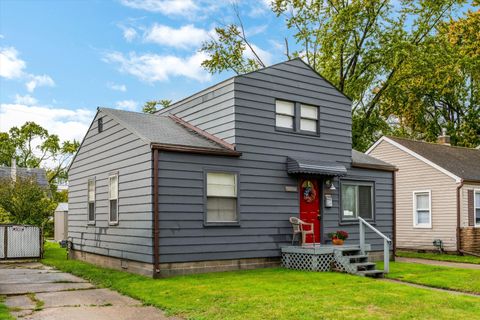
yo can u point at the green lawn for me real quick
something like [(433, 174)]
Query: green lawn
[(438, 256), (466, 280), (275, 294)]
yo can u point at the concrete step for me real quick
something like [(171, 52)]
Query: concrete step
[(358, 257), (371, 273), (364, 266)]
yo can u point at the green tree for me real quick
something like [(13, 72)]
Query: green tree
[(361, 46), (24, 201), (155, 105)]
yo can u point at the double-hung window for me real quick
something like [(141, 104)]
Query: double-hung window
[(477, 208), (357, 200), (285, 114), (113, 198), (91, 200), (422, 209), (221, 198), (308, 118)]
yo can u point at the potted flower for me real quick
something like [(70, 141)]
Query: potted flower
[(339, 237)]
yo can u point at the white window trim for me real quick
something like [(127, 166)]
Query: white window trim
[(422, 225), (94, 200), (475, 192), (112, 222)]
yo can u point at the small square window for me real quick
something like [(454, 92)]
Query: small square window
[(285, 114), (308, 118), (100, 125)]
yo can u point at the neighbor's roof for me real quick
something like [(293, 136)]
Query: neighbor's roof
[(62, 206), (167, 130), (462, 162), (38, 173), (362, 160)]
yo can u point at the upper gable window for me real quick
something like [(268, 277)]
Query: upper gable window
[(308, 118), (100, 125), (284, 114)]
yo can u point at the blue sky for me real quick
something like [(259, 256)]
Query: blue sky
[(62, 59)]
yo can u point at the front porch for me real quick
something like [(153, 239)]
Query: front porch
[(350, 258)]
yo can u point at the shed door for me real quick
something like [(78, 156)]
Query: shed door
[(310, 207)]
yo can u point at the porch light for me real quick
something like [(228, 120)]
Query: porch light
[(329, 184)]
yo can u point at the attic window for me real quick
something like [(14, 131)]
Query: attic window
[(100, 125)]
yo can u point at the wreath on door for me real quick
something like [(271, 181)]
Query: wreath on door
[(309, 193)]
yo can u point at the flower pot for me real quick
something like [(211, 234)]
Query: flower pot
[(337, 242)]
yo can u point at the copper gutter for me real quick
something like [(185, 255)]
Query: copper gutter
[(459, 243), (156, 232), (187, 149)]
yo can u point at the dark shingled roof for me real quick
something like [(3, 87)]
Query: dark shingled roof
[(462, 162), (154, 128), (362, 160), (37, 173)]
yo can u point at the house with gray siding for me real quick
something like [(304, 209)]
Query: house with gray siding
[(210, 182)]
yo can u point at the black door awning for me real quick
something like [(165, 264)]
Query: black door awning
[(310, 166)]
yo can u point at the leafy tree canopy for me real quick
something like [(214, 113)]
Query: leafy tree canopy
[(155, 105), (409, 67)]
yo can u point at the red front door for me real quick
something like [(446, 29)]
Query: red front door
[(310, 207)]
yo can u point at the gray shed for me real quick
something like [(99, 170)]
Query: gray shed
[(210, 182)]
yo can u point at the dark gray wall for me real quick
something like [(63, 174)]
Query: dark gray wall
[(265, 206), (115, 149), (211, 110)]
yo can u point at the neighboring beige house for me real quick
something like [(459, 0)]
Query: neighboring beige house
[(437, 193)]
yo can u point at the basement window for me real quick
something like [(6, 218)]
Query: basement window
[(221, 198)]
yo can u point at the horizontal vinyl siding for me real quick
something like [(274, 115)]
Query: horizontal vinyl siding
[(415, 175), (211, 110), (264, 210), (383, 208), (114, 150)]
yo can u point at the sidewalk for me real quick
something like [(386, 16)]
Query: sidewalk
[(439, 263), (38, 292)]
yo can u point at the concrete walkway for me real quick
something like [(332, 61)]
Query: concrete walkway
[(35, 292), (440, 263)]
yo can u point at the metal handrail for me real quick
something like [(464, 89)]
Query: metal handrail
[(386, 242)]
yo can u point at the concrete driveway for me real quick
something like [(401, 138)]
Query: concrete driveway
[(34, 291)]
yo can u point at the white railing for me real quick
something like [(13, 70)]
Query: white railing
[(386, 242)]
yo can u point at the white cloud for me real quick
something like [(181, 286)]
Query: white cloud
[(117, 87), (11, 66), (39, 81), (264, 55), (183, 37), (26, 99), (167, 7), (129, 34), (153, 67), (129, 105), (67, 124)]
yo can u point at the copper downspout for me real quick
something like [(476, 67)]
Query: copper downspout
[(156, 254), (459, 243)]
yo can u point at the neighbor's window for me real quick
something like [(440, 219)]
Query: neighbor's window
[(221, 197), (357, 200), (113, 198), (477, 208), (422, 211), (100, 125), (308, 118), (284, 114), (91, 200)]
